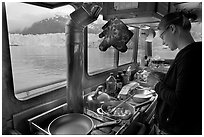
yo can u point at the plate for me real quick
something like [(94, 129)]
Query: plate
[(139, 98), (142, 96)]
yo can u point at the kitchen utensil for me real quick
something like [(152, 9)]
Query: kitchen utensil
[(115, 34), (142, 95), (115, 122), (139, 98), (114, 108), (151, 93), (75, 124), (103, 110), (143, 104), (96, 98)]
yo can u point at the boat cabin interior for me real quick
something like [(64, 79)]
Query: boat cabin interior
[(61, 73)]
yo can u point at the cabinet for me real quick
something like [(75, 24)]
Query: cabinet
[(136, 12)]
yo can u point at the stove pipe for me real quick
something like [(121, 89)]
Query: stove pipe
[(74, 32)]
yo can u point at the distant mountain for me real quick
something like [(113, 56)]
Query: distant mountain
[(50, 25), (54, 25)]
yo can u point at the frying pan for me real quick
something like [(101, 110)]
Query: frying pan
[(74, 124)]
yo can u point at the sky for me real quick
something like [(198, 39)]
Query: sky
[(21, 15)]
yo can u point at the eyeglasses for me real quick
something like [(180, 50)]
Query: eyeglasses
[(161, 35)]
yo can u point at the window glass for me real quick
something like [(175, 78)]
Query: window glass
[(98, 61), (127, 56), (37, 46), (196, 31), (159, 51)]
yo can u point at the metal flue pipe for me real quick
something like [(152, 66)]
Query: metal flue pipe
[(74, 32)]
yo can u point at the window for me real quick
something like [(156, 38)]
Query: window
[(127, 56), (196, 31), (37, 46), (158, 50), (99, 61), (163, 52)]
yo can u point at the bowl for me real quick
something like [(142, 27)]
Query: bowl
[(104, 109)]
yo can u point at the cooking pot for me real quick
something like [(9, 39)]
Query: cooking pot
[(95, 99), (104, 109), (75, 124)]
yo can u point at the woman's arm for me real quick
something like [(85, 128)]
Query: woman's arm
[(179, 94)]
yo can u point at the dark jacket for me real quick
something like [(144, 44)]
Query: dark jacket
[(179, 106)]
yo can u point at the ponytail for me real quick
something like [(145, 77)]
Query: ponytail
[(186, 25), (180, 18)]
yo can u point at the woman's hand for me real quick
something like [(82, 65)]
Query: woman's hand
[(152, 80)]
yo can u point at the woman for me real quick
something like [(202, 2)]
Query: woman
[(179, 107)]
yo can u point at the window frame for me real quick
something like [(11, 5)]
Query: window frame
[(42, 89), (116, 64)]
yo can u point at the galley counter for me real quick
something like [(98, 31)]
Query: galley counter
[(139, 123)]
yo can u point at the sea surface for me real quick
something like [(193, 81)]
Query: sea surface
[(33, 66)]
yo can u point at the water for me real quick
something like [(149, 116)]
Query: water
[(33, 66), (37, 65)]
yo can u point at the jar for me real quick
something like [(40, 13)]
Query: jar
[(111, 84)]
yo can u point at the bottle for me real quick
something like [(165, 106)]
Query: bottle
[(142, 62), (111, 84), (119, 80), (125, 77), (128, 72)]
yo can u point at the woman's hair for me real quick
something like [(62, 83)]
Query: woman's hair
[(177, 18)]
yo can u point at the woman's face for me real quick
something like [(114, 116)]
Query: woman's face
[(168, 36)]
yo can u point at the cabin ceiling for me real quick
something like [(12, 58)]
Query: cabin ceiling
[(53, 5), (181, 5), (193, 7)]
